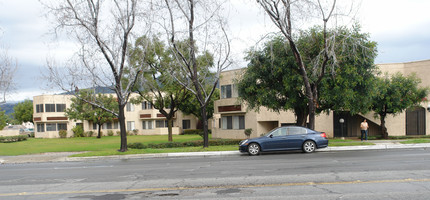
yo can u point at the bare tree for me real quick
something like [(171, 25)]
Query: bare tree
[(196, 30), (8, 68), (104, 30), (283, 14)]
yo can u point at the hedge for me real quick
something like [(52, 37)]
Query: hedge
[(16, 138), (195, 132), (139, 145)]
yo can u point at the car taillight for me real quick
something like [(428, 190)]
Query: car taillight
[(323, 135)]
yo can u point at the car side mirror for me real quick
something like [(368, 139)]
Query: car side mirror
[(271, 136)]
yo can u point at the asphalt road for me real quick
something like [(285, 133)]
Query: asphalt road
[(369, 174)]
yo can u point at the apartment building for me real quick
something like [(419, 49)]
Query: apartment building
[(231, 117), (49, 118)]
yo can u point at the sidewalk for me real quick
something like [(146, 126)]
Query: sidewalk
[(64, 156)]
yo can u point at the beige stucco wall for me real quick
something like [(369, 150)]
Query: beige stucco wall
[(261, 122), (51, 99), (324, 123), (396, 125), (88, 126), (6, 133)]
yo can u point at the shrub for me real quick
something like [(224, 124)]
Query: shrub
[(78, 131), (248, 132), (62, 133), (137, 145), (191, 131), (110, 133), (135, 131), (118, 132), (16, 138), (88, 134)]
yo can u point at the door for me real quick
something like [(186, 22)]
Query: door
[(276, 140), (296, 137), (340, 124), (415, 121)]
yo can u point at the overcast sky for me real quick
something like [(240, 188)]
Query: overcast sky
[(401, 29)]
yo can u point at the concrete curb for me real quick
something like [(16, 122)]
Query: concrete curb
[(158, 155), (64, 156)]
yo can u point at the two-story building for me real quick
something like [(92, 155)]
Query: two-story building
[(49, 118), (231, 117)]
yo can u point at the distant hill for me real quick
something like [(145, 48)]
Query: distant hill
[(8, 107)]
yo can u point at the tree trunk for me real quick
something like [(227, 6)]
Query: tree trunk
[(99, 135), (384, 131), (169, 128), (301, 117), (306, 82), (121, 118), (205, 128)]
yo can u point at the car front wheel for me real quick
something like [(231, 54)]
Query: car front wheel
[(309, 146), (253, 149)]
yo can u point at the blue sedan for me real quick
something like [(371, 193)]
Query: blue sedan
[(285, 138)]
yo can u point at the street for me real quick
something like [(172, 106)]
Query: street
[(367, 174)]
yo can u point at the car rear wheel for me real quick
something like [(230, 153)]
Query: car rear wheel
[(253, 149), (309, 146)]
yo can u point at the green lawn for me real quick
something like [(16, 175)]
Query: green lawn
[(102, 146), (92, 146), (418, 140), (347, 142)]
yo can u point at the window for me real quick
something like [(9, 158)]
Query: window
[(50, 107), (61, 107), (146, 105), (40, 127), (115, 125), (146, 124), (296, 131), (94, 126), (161, 124), (227, 122), (108, 125), (186, 124), (130, 107), (279, 132), (130, 126), (225, 91), (61, 126), (228, 91), (241, 122), (51, 127), (39, 108), (233, 122)]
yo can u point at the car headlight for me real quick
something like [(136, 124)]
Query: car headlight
[(243, 142)]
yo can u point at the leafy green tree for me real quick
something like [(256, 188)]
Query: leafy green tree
[(395, 94), (192, 107), (81, 110), (156, 84), (270, 81), (274, 81), (3, 119), (314, 69), (23, 111)]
